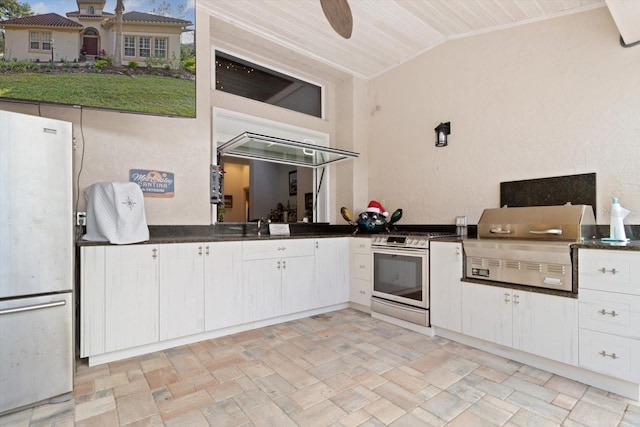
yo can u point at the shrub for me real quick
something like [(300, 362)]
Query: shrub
[(100, 64), (189, 64), (132, 65)]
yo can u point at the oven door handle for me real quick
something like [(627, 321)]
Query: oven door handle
[(549, 231)]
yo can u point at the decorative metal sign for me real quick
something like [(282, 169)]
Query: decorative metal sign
[(153, 183)]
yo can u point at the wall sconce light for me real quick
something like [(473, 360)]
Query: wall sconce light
[(442, 130)]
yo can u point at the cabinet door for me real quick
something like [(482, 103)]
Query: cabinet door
[(298, 286), (223, 285), (92, 292), (445, 261), (181, 290), (546, 325), (486, 313), (262, 289), (331, 271), (360, 292), (131, 296)]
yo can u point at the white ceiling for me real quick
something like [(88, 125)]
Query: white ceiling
[(386, 33)]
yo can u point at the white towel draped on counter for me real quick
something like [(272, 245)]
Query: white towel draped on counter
[(115, 213)]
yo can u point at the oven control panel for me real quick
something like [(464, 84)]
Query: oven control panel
[(394, 241)]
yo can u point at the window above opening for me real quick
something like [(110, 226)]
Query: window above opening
[(249, 80)]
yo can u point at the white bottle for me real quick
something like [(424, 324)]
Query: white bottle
[(616, 225)]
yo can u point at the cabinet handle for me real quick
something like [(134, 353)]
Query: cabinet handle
[(605, 312), (155, 253), (604, 270), (206, 250), (278, 265), (199, 250), (605, 354), (515, 299), (281, 248), (506, 298), (317, 245), (284, 264)]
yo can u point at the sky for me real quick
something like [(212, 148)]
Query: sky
[(61, 7)]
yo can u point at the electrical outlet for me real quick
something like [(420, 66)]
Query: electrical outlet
[(81, 219)]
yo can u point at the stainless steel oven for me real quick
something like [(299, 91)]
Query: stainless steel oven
[(401, 276)]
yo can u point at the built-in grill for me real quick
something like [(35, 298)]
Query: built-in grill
[(528, 245)]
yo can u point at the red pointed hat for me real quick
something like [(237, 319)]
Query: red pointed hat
[(376, 207)]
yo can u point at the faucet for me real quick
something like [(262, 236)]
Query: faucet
[(262, 221)]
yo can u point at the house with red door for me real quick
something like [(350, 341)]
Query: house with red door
[(91, 31)]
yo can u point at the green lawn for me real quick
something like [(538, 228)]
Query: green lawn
[(149, 94)]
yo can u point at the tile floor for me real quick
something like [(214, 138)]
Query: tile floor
[(339, 369)]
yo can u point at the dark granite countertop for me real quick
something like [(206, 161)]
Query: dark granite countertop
[(226, 232), (632, 245)]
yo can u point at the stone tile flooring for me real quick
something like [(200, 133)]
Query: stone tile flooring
[(338, 369)]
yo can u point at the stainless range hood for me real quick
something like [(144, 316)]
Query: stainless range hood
[(254, 146)]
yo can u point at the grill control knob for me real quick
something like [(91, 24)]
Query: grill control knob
[(421, 242)]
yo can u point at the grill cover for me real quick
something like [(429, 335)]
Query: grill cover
[(570, 223)]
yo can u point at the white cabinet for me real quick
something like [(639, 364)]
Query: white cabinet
[(131, 296), (277, 278), (541, 324), (487, 313), (181, 290), (609, 295), (445, 260), (223, 285), (331, 271), (119, 294), (361, 271)]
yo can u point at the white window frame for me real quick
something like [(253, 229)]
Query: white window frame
[(147, 47), (40, 40), (135, 41), (156, 49)]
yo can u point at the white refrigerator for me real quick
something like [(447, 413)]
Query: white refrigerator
[(36, 261)]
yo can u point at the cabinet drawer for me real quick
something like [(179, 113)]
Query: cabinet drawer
[(610, 354), (610, 312), (609, 270), (281, 248), (361, 266), (361, 244)]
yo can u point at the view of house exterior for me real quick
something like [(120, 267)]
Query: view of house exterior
[(90, 31)]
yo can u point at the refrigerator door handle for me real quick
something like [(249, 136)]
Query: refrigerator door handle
[(32, 307)]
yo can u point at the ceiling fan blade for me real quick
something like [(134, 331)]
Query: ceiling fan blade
[(338, 14)]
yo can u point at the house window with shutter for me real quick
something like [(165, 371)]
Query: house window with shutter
[(160, 50), (145, 47)]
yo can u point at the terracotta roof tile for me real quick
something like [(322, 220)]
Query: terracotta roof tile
[(151, 18), (44, 20)]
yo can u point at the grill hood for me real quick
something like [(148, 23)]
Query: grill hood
[(566, 223)]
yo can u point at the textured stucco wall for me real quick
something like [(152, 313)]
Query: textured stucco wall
[(552, 98)]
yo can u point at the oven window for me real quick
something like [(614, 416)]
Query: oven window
[(398, 275)]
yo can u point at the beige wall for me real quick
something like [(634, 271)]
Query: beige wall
[(552, 98), (65, 46)]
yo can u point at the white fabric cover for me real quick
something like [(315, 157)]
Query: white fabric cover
[(115, 213)]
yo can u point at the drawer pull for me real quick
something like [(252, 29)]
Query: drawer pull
[(612, 312), (604, 270), (605, 354), (506, 297)]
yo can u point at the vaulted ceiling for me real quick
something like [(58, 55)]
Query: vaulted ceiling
[(386, 33)]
